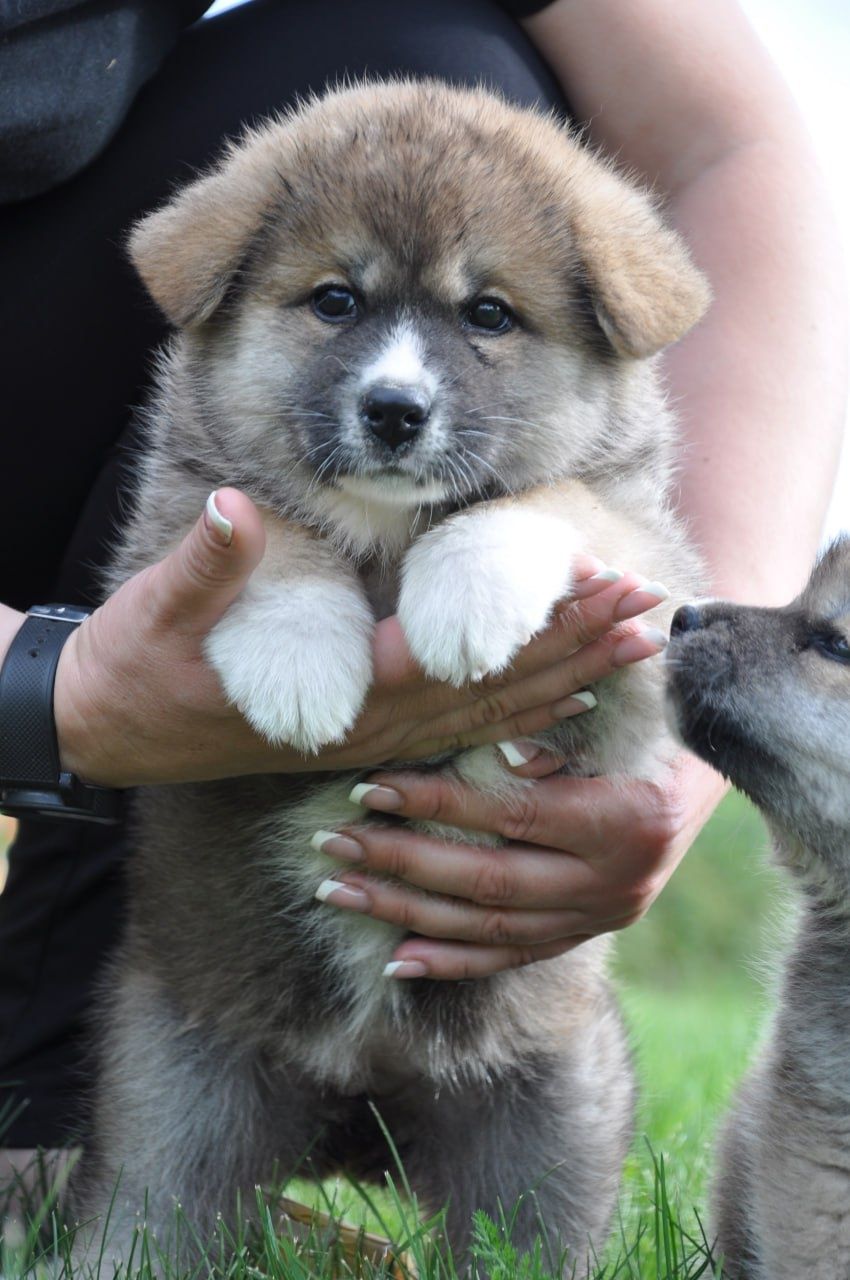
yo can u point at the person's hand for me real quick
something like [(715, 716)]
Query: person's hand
[(136, 702), (583, 856)]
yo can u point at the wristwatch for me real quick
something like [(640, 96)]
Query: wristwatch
[(32, 783)]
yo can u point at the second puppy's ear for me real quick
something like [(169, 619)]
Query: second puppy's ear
[(188, 251), (644, 288)]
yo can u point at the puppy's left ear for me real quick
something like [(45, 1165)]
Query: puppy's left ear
[(645, 290), (188, 251)]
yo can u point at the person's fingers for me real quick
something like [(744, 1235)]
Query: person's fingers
[(541, 700), (575, 623), (646, 596), (458, 961), (435, 916), (548, 813), (521, 877), (191, 588), (526, 759)]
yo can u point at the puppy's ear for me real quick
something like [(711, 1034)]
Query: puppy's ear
[(644, 288), (188, 251)]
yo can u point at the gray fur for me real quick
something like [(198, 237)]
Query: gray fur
[(755, 692), (245, 1022)]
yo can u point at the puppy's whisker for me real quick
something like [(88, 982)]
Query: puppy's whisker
[(499, 477), (328, 463), (523, 422)]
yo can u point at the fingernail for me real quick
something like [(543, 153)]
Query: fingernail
[(584, 700), (218, 523), (372, 796), (659, 638), (337, 846), (518, 753), (405, 969), (644, 644), (339, 894), (644, 597), (589, 586)]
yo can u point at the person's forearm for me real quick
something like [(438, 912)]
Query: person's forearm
[(686, 96), (760, 384)]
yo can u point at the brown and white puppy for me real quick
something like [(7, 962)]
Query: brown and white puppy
[(417, 325), (764, 696)]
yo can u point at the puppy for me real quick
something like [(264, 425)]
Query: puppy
[(418, 326), (764, 696)]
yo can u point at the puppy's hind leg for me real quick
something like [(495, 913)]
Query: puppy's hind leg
[(185, 1125), (733, 1210), (544, 1148)]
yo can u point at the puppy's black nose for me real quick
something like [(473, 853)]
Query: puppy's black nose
[(688, 618), (395, 414)]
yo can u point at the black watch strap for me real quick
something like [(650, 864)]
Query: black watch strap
[(31, 782)]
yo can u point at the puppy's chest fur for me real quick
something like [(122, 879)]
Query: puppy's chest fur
[(224, 913)]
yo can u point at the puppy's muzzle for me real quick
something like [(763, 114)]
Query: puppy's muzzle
[(395, 415)]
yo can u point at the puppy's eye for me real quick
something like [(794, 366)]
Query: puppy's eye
[(334, 302), (489, 314), (833, 645)]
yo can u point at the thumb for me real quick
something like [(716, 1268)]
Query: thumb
[(191, 588)]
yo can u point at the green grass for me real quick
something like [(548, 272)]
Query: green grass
[(694, 1003)]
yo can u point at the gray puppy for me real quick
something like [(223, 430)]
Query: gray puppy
[(417, 327), (764, 696)]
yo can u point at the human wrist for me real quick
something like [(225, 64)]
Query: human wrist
[(33, 782), (64, 704), (79, 731)]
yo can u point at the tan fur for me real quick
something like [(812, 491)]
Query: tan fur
[(644, 287)]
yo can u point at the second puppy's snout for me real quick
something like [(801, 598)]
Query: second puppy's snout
[(688, 618), (395, 414)]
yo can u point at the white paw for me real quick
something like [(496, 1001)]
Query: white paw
[(477, 588), (296, 659)]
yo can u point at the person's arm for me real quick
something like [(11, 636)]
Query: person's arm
[(683, 94)]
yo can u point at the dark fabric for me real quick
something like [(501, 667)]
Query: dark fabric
[(524, 8), (78, 333), (68, 74), (70, 71)]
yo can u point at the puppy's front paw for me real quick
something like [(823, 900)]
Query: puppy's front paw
[(476, 589), (296, 659)]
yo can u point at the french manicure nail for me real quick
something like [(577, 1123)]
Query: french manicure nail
[(584, 700), (656, 637), (218, 522), (405, 969), (633, 648), (518, 753), (599, 581), (337, 846), (339, 894), (373, 796), (642, 598)]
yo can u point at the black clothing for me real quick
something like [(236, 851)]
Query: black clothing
[(71, 69), (78, 332)]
